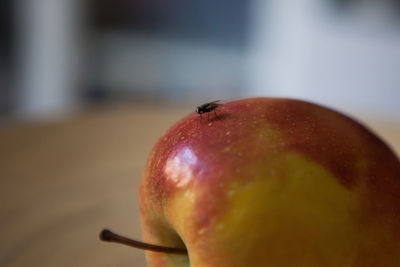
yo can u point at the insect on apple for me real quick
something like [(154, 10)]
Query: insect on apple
[(208, 107)]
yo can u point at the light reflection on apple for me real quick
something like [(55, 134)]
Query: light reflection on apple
[(179, 168)]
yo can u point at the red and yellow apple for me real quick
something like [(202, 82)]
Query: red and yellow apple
[(272, 182)]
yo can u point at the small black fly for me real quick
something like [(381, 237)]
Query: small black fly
[(208, 107)]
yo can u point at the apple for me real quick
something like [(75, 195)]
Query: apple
[(272, 182)]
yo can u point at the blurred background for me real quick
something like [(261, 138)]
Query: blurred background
[(87, 87), (56, 56)]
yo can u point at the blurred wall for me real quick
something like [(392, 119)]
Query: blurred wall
[(66, 53), (345, 54), (161, 68), (6, 46), (174, 50), (47, 52)]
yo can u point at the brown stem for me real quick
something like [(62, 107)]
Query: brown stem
[(107, 235)]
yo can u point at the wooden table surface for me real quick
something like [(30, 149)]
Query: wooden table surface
[(62, 182)]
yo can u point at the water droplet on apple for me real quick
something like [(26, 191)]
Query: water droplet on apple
[(231, 193), (201, 231), (226, 149)]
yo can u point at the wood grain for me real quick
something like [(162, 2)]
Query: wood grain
[(62, 182)]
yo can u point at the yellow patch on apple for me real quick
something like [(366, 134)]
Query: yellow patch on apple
[(286, 213)]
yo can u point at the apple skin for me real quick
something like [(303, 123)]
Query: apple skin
[(272, 182)]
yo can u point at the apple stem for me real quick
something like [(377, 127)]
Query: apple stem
[(107, 235)]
